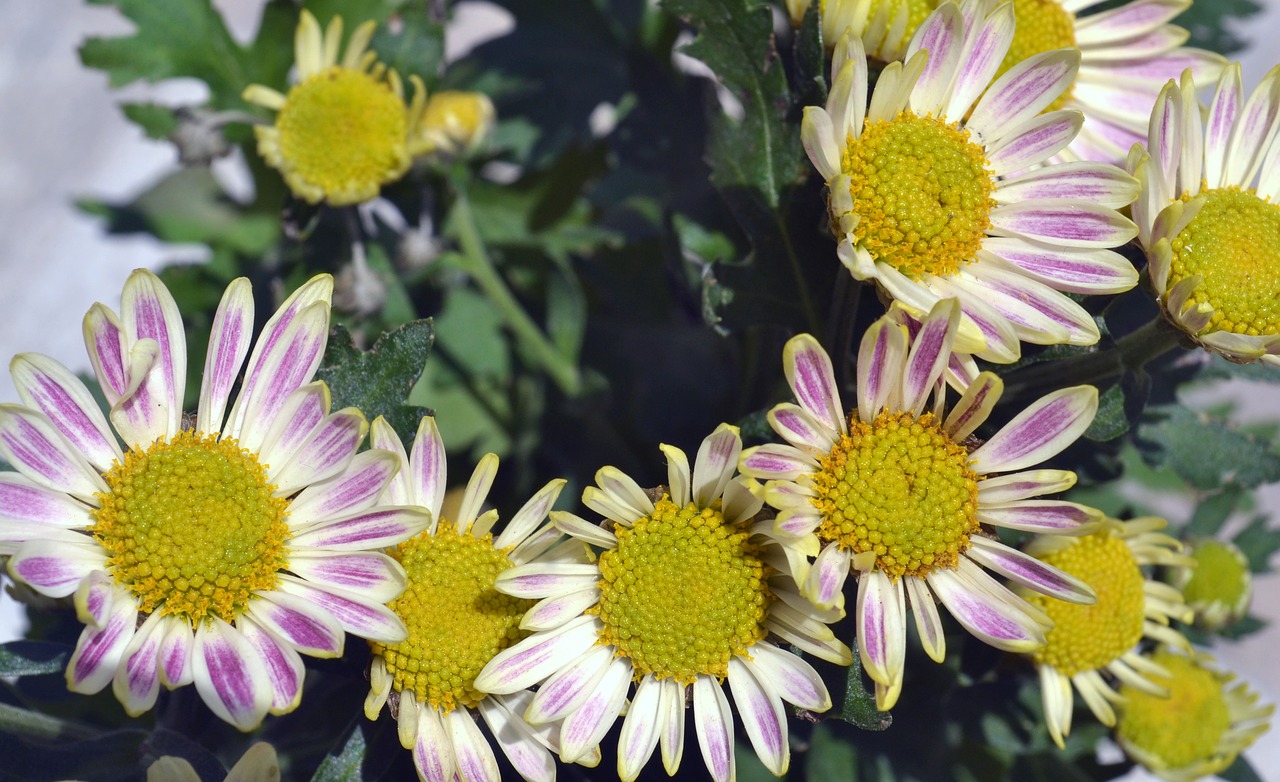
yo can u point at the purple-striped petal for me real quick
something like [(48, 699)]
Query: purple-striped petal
[(148, 311), (31, 443), (283, 664), (433, 749), (229, 675), (55, 568), (471, 751), (970, 595), (369, 573), (1023, 92), (809, 373), (371, 529), (1034, 141), (796, 681), (23, 501), (825, 583), (883, 351), (1128, 21), (715, 464), (1042, 516), (137, 678), (383, 437), (776, 462), (1039, 313), (326, 452), (1227, 101), (95, 597), (568, 688), (100, 649), (351, 492), (713, 724), (928, 623), (1039, 432), (671, 708), (930, 351), (177, 654), (302, 412), (45, 385), (229, 340), (640, 729), (554, 611), (882, 627), (306, 627), (538, 580), (1077, 224), (530, 515), (1066, 269), (104, 340), (942, 36), (357, 614), (583, 729), (1097, 183), (522, 746), (761, 711), (537, 657), (1029, 571), (428, 472), (1021, 485), (974, 406), (984, 51)]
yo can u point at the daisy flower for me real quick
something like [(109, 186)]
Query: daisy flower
[(684, 597), (900, 495), (343, 130), (1127, 53), (213, 551), (1087, 640), (925, 198), (1207, 214), (1218, 589), (1198, 727), (457, 621)]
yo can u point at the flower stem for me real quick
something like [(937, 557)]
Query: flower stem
[(22, 722), (1131, 352), (480, 267)]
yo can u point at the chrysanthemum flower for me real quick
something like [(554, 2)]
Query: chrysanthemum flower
[(214, 551), (1087, 640), (1126, 55), (1208, 218), (341, 132), (1198, 727), (1218, 589), (900, 495), (453, 122), (684, 596), (457, 621), (926, 199)]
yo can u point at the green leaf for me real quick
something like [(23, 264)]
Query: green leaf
[(809, 52), (859, 705), (1111, 421), (379, 381), (32, 658), (157, 121), (759, 155), (1205, 452), (417, 45), (1241, 771), (345, 766), (830, 756), (1213, 511), (1258, 542)]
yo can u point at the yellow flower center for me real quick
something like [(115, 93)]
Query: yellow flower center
[(917, 12), (922, 193), (1234, 245), (191, 527), (1041, 26), (343, 131), (902, 488), (457, 621), (1219, 575), (1185, 728), (1089, 637), (682, 593)]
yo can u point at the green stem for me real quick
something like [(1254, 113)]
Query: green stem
[(19, 721), (1131, 352), (806, 302), (480, 267)]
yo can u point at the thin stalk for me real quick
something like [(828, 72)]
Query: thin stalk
[(22, 722), (806, 302), (480, 267)]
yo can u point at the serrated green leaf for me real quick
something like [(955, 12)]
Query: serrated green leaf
[(809, 53), (1111, 421), (859, 706), (157, 121), (32, 658), (1205, 452), (378, 381), (759, 155), (1213, 511), (345, 766)]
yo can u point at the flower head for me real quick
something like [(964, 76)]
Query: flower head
[(1218, 589), (899, 491), (1208, 218), (686, 594), (457, 621), (1197, 726), (453, 123), (1088, 640), (1126, 55), (925, 195), (214, 554), (341, 132)]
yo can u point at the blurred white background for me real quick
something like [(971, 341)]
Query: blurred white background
[(62, 137)]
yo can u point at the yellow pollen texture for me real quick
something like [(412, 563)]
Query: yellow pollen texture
[(1041, 26), (682, 593), (457, 621), (1219, 576), (902, 488), (191, 528), (343, 131), (1234, 245), (922, 193), (1184, 728), (1090, 637)]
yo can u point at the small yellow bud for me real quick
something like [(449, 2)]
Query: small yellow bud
[(453, 123)]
